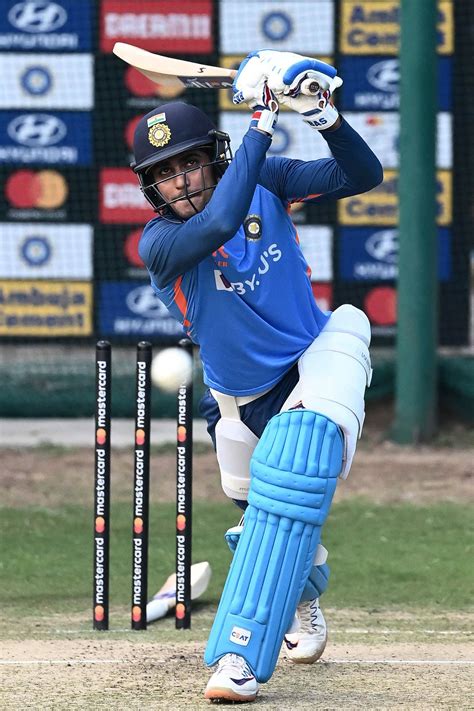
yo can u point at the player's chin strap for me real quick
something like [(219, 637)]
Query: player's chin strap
[(294, 471)]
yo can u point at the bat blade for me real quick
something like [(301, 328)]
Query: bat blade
[(165, 598), (174, 73)]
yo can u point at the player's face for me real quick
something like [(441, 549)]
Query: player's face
[(177, 183)]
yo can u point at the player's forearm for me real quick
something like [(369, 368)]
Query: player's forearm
[(355, 168)]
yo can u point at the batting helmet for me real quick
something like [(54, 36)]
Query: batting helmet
[(169, 130)]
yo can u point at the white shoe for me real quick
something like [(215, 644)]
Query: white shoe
[(306, 639), (233, 680)]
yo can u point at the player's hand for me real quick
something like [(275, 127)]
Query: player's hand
[(303, 84), (250, 86)]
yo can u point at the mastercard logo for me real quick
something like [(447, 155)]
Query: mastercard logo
[(380, 305), (138, 525), (181, 433), (44, 189), (99, 613), (100, 524), (180, 522), (101, 436), (180, 611), (136, 613), (140, 437)]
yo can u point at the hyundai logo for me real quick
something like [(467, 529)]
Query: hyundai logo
[(383, 245), (385, 75), (35, 130), (144, 302), (36, 16)]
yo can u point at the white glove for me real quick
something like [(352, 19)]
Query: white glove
[(301, 83), (250, 86)]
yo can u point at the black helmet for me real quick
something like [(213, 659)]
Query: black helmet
[(171, 129)]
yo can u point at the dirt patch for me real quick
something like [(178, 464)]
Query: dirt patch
[(382, 473), (131, 675)]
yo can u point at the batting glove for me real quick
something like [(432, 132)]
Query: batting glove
[(303, 84), (250, 86)]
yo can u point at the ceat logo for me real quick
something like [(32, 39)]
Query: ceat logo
[(35, 130), (383, 246), (130, 249), (385, 75), (44, 189), (140, 85), (240, 636), (37, 16)]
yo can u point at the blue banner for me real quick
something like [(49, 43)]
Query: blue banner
[(61, 138), (368, 254), (132, 309), (46, 25), (372, 83)]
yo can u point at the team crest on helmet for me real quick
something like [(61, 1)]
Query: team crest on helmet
[(253, 227), (159, 135)]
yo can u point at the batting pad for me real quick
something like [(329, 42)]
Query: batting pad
[(294, 471)]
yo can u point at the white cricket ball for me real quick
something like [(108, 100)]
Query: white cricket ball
[(171, 368)]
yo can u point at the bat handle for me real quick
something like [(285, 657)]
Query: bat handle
[(309, 87)]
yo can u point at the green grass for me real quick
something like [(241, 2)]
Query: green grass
[(380, 556)]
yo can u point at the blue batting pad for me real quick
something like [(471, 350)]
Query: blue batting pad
[(294, 471)]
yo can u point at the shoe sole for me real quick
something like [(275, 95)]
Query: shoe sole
[(225, 695)]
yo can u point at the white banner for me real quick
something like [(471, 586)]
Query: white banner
[(316, 245), (302, 26), (46, 81), (381, 130), (292, 137), (42, 251)]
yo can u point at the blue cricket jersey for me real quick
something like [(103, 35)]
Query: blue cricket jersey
[(234, 274)]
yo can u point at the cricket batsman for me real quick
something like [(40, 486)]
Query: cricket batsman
[(286, 380)]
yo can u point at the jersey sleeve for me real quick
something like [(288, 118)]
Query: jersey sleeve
[(170, 249), (353, 169)]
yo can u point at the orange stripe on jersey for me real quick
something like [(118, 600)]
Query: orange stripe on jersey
[(180, 300), (308, 197)]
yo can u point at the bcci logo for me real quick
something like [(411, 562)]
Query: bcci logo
[(253, 227)]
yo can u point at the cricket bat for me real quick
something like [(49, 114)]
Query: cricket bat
[(165, 598), (178, 73)]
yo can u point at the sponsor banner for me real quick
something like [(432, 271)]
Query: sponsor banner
[(164, 27), (47, 81), (116, 253), (381, 130), (380, 205), (373, 27), (372, 83), (379, 303), (225, 97), (132, 309), (323, 293), (45, 309), (316, 245), (291, 137), (121, 199), (294, 26), (43, 137), (368, 254), (43, 251), (46, 194), (46, 25)]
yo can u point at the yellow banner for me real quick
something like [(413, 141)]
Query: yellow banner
[(373, 27), (45, 308), (380, 206), (233, 62)]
